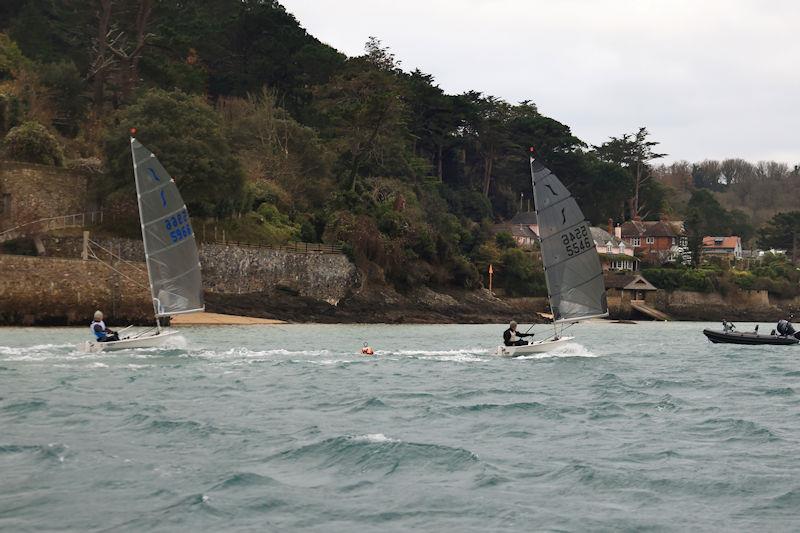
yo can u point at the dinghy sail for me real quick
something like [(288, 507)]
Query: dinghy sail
[(173, 264), (571, 264), (572, 268), (170, 250)]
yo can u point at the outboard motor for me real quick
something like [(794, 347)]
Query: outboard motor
[(785, 328)]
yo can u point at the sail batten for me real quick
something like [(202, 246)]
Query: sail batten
[(571, 265), (173, 264)]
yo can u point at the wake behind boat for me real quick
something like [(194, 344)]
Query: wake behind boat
[(173, 264), (572, 270)]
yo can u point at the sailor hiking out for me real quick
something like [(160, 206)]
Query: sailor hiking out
[(511, 337), (100, 331)]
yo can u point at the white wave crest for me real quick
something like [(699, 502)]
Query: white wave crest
[(572, 349), (375, 438)]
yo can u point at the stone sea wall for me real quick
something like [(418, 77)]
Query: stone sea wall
[(54, 291), (233, 269), (735, 305), (242, 270)]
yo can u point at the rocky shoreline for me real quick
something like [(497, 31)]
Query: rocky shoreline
[(382, 305), (58, 291)]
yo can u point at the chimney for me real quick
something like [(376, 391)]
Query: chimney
[(618, 232), (611, 226)]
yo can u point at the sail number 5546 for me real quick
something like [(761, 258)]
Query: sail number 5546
[(576, 241)]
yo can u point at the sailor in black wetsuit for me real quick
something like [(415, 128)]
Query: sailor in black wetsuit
[(511, 337)]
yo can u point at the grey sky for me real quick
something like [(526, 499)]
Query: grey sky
[(709, 78)]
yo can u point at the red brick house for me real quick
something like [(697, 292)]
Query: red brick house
[(655, 241)]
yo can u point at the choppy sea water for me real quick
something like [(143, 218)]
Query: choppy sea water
[(632, 427)]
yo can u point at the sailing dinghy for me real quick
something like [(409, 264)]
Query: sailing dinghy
[(572, 268), (173, 264)]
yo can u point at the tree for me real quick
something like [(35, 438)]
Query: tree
[(705, 216), (634, 152), (186, 135), (32, 142), (486, 127), (782, 232), (432, 118), (365, 114)]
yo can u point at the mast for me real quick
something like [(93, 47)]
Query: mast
[(536, 210), (141, 226)]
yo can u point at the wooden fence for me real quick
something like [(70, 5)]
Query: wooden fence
[(43, 225), (294, 247)]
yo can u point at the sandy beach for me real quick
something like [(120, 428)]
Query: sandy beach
[(209, 319)]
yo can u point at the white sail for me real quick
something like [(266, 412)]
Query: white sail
[(571, 264), (173, 265)]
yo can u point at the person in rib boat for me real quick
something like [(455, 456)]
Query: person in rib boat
[(511, 337), (100, 331)]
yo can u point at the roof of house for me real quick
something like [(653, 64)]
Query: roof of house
[(602, 237), (627, 282), (516, 230), (525, 217), (650, 228), (721, 242)]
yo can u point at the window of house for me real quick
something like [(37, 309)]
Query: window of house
[(636, 241), (674, 241), (650, 240), (684, 241), (5, 204)]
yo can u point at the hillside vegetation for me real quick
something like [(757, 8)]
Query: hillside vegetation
[(274, 136)]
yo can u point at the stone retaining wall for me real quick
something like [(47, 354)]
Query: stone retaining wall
[(243, 270), (44, 291), (31, 192)]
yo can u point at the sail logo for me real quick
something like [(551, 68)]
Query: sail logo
[(153, 174)]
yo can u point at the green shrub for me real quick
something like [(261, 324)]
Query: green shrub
[(464, 273), (31, 142), (700, 280), (505, 240), (519, 275)]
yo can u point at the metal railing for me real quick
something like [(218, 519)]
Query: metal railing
[(294, 247), (78, 220)]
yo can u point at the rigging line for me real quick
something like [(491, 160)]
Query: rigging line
[(120, 273), (119, 257)]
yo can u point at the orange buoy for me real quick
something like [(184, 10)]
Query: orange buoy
[(366, 350)]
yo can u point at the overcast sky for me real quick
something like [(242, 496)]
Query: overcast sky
[(710, 79)]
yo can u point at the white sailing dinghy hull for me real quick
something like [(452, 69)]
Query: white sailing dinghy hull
[(148, 341), (533, 348)]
